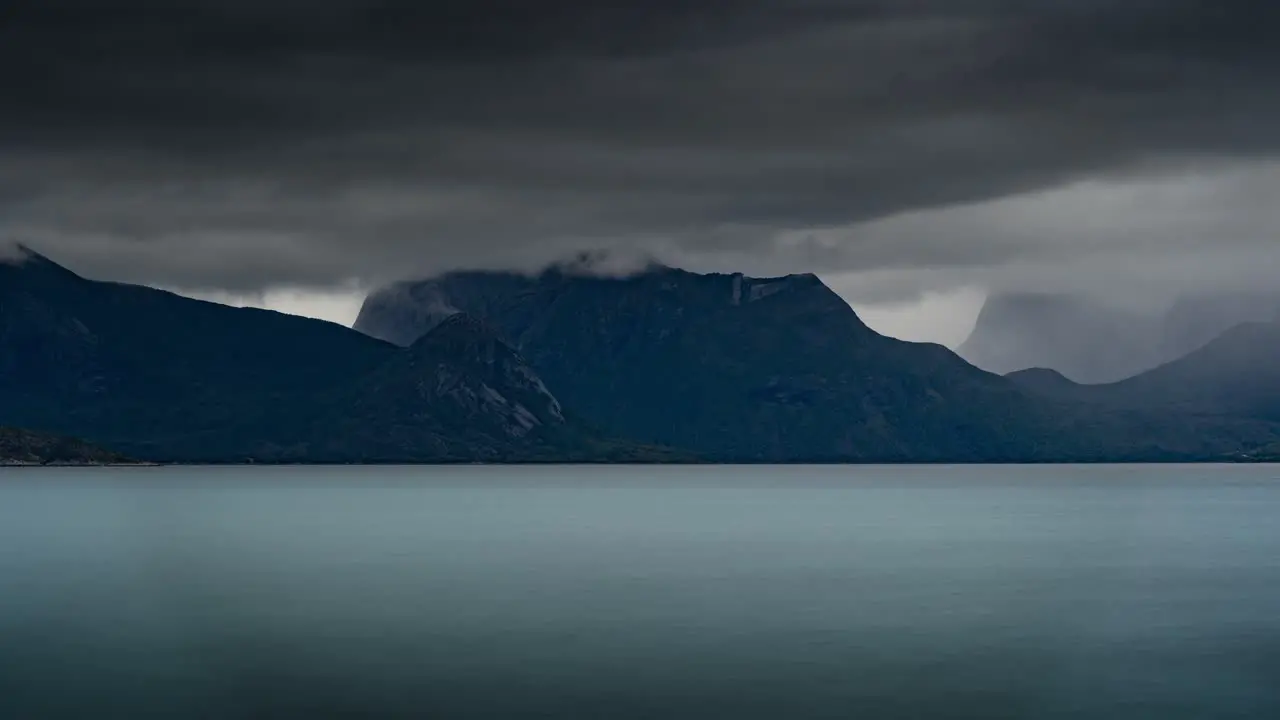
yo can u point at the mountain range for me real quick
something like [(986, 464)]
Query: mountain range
[(1234, 375), (659, 365), (1093, 342), (163, 377), (778, 370)]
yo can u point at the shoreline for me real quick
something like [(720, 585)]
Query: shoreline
[(570, 463)]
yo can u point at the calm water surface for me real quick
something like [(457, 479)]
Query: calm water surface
[(977, 592)]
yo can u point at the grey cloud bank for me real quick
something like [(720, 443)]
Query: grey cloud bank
[(899, 147)]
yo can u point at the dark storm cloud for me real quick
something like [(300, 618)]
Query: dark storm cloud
[(239, 144)]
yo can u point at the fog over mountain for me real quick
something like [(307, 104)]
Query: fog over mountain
[(901, 150), (1093, 342)]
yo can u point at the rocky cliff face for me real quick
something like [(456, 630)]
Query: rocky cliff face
[(471, 364), (477, 396)]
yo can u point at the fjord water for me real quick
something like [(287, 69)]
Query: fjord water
[(615, 592)]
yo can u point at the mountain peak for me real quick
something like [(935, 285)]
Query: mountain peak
[(479, 375), (19, 253), (1043, 380), (459, 330), (1039, 373), (31, 266)]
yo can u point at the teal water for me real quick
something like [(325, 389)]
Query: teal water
[(762, 592)]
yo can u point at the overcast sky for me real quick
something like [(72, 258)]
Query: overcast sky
[(915, 153)]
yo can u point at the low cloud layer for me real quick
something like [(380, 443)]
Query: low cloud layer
[(903, 145)]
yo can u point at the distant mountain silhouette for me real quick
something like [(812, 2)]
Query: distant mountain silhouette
[(1085, 341), (1093, 343), (765, 369), (1194, 321), (1236, 374), (1045, 381)]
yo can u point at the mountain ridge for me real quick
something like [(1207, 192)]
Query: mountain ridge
[(765, 369), (1095, 343), (165, 377), (660, 365), (1236, 374)]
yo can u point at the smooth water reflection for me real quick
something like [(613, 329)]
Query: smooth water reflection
[(1042, 592)]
